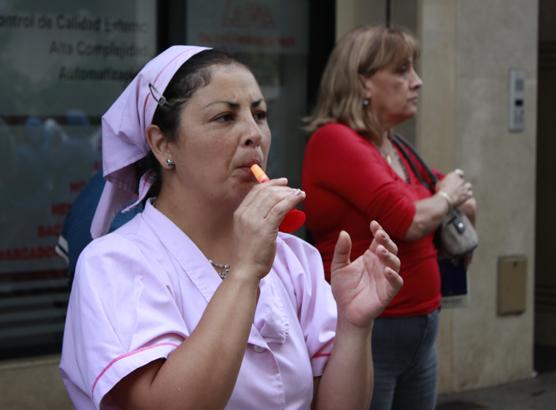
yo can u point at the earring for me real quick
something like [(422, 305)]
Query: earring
[(365, 103), (170, 162)]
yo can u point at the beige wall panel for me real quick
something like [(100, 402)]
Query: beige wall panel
[(436, 129), (489, 349), (353, 13), (494, 35), (468, 48), (437, 65)]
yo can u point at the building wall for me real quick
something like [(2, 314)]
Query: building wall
[(468, 48)]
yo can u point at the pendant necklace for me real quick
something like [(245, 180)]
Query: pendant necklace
[(222, 270), (388, 157)]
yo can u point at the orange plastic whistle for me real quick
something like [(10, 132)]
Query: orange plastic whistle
[(295, 218), (259, 173)]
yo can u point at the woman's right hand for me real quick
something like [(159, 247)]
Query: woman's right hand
[(256, 223), (455, 186)]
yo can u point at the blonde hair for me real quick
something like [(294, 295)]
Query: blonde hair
[(359, 53)]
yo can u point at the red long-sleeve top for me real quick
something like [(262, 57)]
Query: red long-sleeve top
[(348, 183)]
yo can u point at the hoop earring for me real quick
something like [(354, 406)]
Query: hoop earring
[(170, 163)]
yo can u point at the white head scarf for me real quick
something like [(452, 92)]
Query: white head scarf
[(124, 141)]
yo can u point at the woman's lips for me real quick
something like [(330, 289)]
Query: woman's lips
[(245, 171), (244, 167)]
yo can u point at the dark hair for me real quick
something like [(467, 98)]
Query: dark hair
[(195, 73)]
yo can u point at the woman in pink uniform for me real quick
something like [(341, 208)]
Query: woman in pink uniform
[(199, 301)]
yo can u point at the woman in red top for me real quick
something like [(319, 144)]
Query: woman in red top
[(353, 173)]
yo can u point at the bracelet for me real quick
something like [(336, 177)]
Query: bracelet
[(446, 197)]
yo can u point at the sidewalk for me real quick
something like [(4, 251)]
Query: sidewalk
[(538, 393)]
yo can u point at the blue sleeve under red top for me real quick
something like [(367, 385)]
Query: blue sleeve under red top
[(348, 183)]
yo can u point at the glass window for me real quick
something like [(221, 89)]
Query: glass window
[(63, 62), (272, 38)]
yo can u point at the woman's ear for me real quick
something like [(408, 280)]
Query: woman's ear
[(368, 86), (160, 146)]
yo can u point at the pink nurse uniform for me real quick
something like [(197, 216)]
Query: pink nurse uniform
[(140, 291)]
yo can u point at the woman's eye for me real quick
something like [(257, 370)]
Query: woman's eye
[(403, 68), (224, 117), (260, 115)]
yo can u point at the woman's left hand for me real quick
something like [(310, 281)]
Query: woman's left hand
[(364, 287)]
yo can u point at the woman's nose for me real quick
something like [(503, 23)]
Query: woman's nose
[(252, 134), (416, 82)]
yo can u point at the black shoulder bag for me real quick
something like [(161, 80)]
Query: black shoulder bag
[(454, 238)]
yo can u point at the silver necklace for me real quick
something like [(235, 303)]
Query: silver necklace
[(388, 157), (386, 151), (222, 270)]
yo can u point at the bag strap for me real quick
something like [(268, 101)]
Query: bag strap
[(404, 147)]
